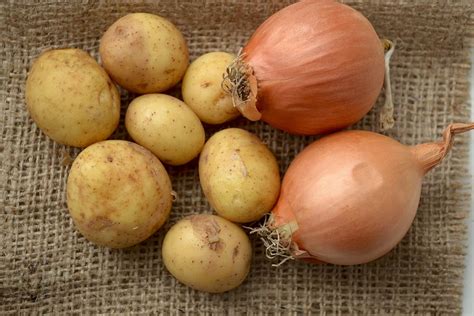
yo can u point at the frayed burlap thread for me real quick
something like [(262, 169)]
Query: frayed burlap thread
[(46, 267)]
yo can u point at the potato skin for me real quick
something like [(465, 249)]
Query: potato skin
[(118, 193), (239, 175), (207, 253), (202, 88), (144, 53), (71, 98), (166, 126)]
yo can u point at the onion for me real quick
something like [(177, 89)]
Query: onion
[(350, 197), (313, 67)]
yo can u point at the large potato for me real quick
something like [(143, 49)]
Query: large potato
[(202, 88), (166, 126), (118, 193), (71, 98), (207, 253), (144, 53), (239, 175)]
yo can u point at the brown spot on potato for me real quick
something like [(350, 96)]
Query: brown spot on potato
[(205, 84), (143, 85), (235, 253), (207, 229), (240, 162), (119, 30), (110, 158), (100, 222), (132, 178)]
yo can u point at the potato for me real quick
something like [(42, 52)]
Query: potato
[(207, 253), (71, 98), (118, 193), (166, 126), (202, 89), (239, 175), (144, 53)]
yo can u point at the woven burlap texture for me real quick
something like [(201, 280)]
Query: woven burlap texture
[(46, 266)]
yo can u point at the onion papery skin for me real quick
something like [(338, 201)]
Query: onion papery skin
[(319, 67)]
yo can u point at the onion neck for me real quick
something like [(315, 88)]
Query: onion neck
[(241, 83), (430, 155)]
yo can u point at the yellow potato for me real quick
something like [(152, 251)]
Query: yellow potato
[(239, 175), (144, 53), (166, 126), (202, 89), (118, 193), (71, 98), (207, 253)]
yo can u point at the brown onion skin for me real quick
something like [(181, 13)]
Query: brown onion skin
[(319, 66), (353, 195)]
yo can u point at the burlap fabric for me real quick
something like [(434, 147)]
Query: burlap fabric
[(47, 267)]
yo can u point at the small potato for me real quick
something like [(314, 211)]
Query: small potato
[(144, 53), (118, 193), (239, 175), (202, 89), (166, 126), (207, 253), (71, 98)]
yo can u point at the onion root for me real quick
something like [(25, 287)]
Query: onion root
[(276, 245), (386, 119), (240, 82)]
